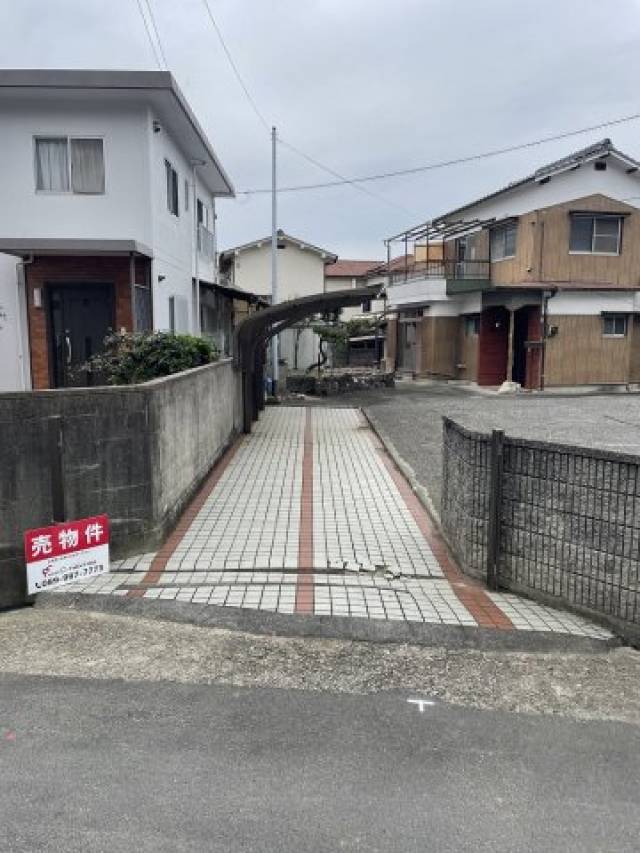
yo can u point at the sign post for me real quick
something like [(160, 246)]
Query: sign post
[(66, 553)]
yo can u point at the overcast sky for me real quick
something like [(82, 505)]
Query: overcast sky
[(365, 86)]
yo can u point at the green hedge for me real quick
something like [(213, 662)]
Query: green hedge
[(132, 357)]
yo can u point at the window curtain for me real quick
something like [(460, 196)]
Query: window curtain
[(52, 165), (87, 166)]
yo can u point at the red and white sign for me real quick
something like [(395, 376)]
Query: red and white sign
[(66, 553)]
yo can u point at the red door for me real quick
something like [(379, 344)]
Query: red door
[(493, 346)]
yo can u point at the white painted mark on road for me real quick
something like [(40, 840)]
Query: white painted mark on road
[(421, 703)]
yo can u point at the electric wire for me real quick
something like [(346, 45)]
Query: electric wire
[(155, 30), (149, 36), (496, 152)]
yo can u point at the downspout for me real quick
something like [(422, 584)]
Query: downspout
[(196, 319), (214, 223), (24, 354), (132, 289)]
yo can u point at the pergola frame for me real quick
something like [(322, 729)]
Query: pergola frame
[(253, 333)]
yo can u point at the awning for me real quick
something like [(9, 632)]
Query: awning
[(25, 246)]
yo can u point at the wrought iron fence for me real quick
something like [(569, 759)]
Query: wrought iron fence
[(556, 522)]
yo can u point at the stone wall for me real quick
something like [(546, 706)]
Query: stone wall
[(568, 522), (136, 453)]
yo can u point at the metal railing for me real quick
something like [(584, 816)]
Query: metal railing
[(206, 242), (558, 523), (447, 269)]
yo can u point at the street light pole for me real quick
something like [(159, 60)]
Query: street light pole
[(274, 256)]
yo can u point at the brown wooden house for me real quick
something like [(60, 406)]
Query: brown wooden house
[(539, 285)]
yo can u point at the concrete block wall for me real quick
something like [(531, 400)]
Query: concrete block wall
[(137, 453), (568, 519)]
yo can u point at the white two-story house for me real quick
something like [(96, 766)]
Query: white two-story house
[(107, 222), (301, 271)]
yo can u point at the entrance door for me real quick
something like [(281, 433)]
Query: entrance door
[(407, 345), (80, 317)]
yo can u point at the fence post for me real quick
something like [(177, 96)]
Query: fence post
[(55, 447), (496, 464)]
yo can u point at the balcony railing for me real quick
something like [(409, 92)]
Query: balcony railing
[(447, 269), (206, 242)]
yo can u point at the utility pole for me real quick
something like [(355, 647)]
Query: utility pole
[(274, 257)]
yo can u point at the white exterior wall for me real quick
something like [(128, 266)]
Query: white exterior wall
[(134, 204), (122, 212), (350, 283), (14, 357), (613, 182), (300, 273), (593, 302), (173, 237), (416, 292)]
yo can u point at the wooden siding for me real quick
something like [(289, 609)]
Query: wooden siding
[(467, 354), (579, 354), (438, 346), (542, 248), (391, 343)]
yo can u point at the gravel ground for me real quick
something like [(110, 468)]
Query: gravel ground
[(411, 416), (604, 686)]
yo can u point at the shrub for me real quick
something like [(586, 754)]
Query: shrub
[(131, 357)]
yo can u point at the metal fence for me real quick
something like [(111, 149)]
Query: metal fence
[(556, 522)]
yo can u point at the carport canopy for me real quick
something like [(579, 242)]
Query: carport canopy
[(253, 333)]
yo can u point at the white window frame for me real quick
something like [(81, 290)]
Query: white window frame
[(68, 139), (615, 316), (594, 217), (503, 229)]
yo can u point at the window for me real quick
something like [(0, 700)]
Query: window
[(366, 306), (503, 242), (172, 189), (598, 235), (186, 194), (65, 164), (172, 314), (472, 325), (614, 325), (203, 214)]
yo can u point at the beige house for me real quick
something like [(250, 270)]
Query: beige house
[(539, 285), (301, 272)]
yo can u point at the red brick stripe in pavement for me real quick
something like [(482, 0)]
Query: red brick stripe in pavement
[(304, 585), (468, 591), (160, 560)]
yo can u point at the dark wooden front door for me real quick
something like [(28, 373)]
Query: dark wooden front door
[(80, 317)]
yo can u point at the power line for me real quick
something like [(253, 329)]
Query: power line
[(247, 93), (149, 36), (155, 29), (267, 127), (344, 180), (445, 163)]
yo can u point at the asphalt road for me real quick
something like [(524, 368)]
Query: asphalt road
[(98, 765)]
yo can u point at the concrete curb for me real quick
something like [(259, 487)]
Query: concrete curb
[(409, 474), (326, 627)]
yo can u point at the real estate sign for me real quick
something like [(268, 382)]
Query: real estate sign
[(66, 553)]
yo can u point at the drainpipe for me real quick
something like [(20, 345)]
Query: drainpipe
[(132, 289), (544, 320), (24, 353), (510, 347), (214, 223), (196, 308)]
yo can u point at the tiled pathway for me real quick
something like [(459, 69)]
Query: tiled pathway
[(309, 515)]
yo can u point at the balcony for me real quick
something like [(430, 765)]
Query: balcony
[(460, 276), (206, 242)]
